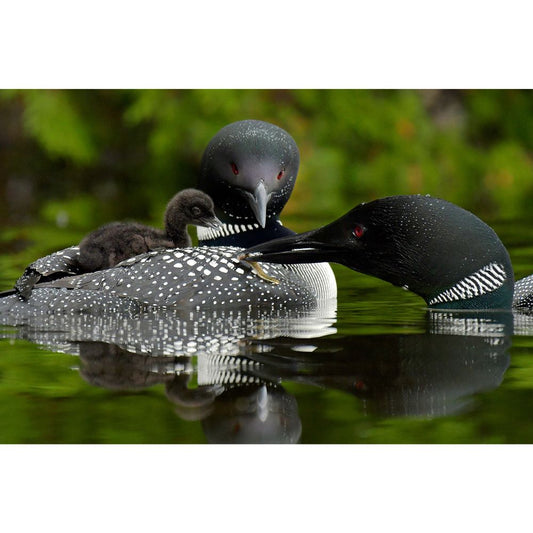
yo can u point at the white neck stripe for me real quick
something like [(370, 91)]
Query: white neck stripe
[(207, 234), (487, 279)]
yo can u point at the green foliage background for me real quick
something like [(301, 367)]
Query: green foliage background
[(79, 158)]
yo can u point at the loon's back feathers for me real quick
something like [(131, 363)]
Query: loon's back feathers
[(186, 278), (202, 276), (441, 252), (523, 293)]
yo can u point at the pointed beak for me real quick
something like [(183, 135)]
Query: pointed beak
[(311, 247), (210, 222), (258, 201)]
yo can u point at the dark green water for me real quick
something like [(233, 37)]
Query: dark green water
[(382, 371)]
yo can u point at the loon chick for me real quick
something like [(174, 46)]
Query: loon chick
[(437, 250), (112, 243), (249, 169)]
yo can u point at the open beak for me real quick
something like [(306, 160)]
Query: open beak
[(312, 247), (258, 201)]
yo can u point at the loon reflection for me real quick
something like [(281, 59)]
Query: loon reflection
[(236, 385)]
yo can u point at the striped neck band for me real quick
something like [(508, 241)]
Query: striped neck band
[(207, 234), (485, 280)]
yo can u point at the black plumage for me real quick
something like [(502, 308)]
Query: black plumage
[(437, 250)]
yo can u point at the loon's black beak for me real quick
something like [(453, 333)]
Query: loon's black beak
[(258, 201), (316, 246)]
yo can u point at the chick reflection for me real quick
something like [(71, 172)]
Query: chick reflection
[(240, 409), (110, 367)]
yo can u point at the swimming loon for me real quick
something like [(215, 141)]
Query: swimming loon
[(114, 242), (249, 169), (437, 250)]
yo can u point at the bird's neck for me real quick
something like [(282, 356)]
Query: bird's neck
[(176, 230), (243, 234), (490, 287)]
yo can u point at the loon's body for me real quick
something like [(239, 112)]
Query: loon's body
[(248, 169), (115, 242), (437, 250)]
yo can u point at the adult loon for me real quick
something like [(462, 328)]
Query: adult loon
[(437, 250), (112, 243), (249, 169)]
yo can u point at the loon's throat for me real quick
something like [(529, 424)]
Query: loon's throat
[(242, 235), (487, 279), (208, 234)]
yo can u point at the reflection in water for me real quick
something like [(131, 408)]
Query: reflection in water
[(254, 414), (239, 359), (430, 374), (169, 331)]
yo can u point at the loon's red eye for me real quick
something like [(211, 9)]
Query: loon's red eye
[(234, 168), (280, 175), (358, 231)]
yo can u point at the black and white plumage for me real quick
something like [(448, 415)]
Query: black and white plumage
[(201, 276), (437, 250), (249, 169), (523, 293)]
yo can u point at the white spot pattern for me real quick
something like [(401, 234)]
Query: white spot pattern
[(216, 278)]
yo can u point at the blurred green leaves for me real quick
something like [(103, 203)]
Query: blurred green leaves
[(131, 150), (54, 120), (78, 212)]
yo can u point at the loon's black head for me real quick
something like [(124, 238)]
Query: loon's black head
[(189, 206), (249, 169), (441, 252)]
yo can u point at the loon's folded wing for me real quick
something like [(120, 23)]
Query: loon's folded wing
[(56, 265)]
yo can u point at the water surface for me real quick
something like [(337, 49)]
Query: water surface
[(377, 367)]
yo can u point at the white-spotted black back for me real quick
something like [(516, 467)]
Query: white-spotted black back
[(192, 277)]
